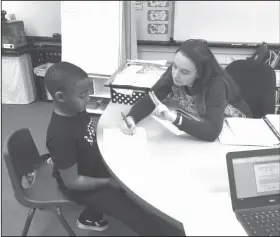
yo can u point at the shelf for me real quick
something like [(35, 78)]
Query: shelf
[(101, 77), (94, 107), (99, 90), (101, 94), (94, 111)]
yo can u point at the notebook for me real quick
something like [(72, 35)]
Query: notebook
[(172, 128), (168, 125), (251, 131)]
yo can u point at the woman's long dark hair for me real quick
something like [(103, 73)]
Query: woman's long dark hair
[(207, 67)]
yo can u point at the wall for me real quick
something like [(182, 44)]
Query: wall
[(223, 55), (41, 18)]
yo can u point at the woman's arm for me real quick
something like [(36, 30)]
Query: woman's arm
[(210, 128), (145, 106)]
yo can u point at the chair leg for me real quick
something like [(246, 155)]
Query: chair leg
[(28, 221), (64, 223)]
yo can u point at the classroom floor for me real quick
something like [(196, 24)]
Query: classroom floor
[(36, 117)]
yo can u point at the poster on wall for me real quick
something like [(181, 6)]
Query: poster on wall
[(157, 29), (158, 3), (158, 15), (153, 20), (139, 5)]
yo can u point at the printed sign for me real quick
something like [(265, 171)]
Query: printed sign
[(158, 3), (158, 15), (158, 29)]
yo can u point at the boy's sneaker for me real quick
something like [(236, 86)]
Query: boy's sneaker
[(100, 225)]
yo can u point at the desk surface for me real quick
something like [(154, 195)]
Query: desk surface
[(180, 170)]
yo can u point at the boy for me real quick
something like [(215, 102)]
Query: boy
[(78, 166)]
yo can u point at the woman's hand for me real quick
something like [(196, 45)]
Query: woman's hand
[(114, 184), (130, 128), (161, 110)]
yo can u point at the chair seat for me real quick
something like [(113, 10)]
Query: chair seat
[(44, 192)]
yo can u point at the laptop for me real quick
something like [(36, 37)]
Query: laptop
[(254, 180)]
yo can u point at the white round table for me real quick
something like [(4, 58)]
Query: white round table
[(178, 172)]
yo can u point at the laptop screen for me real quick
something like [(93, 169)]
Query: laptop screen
[(257, 176)]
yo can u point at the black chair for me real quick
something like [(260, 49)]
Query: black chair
[(257, 82), (22, 160)]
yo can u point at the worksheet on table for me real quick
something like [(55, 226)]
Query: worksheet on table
[(115, 142), (169, 126)]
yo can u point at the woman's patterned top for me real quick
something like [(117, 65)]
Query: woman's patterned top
[(187, 103)]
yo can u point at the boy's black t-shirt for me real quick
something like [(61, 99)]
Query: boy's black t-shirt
[(72, 140)]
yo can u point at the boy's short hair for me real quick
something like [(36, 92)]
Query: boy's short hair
[(63, 75)]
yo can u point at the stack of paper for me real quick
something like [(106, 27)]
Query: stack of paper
[(158, 62), (141, 74)]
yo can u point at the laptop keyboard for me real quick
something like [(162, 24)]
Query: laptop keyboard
[(264, 222)]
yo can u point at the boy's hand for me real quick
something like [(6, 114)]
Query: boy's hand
[(161, 110), (132, 127)]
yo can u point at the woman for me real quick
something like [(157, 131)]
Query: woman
[(200, 87)]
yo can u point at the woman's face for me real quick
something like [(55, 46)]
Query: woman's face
[(184, 71)]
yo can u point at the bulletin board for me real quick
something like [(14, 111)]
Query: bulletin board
[(154, 20)]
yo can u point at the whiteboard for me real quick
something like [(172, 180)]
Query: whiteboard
[(41, 18), (91, 35), (228, 21)]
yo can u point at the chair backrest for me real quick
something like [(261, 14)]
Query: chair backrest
[(257, 83), (21, 158)]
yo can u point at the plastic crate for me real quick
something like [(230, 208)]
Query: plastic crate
[(45, 54), (40, 72)]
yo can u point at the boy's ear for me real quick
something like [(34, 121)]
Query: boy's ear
[(59, 96)]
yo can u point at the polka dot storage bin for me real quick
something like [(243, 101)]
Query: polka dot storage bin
[(120, 98)]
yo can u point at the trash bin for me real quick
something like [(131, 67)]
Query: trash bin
[(42, 91), (18, 85)]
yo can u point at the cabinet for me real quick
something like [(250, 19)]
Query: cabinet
[(18, 85)]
